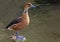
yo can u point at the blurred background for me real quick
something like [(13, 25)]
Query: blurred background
[(45, 20)]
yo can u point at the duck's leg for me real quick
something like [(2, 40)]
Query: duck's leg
[(17, 36)]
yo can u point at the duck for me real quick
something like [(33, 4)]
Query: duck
[(21, 22)]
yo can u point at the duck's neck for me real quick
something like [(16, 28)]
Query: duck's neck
[(25, 11)]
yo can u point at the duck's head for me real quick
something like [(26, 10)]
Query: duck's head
[(29, 5)]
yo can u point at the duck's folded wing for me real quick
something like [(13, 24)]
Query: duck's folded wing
[(14, 21)]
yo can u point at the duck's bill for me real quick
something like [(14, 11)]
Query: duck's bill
[(32, 6)]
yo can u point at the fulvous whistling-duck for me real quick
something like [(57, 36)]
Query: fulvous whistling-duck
[(21, 22)]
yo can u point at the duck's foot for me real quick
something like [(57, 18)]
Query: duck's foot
[(20, 38)]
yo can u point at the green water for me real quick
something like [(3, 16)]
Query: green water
[(44, 25)]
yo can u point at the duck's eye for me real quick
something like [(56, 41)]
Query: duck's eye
[(29, 4)]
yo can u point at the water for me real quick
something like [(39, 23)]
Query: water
[(44, 25)]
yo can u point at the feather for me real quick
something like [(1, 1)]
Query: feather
[(14, 21)]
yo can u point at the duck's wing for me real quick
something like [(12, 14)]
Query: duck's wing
[(14, 21)]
